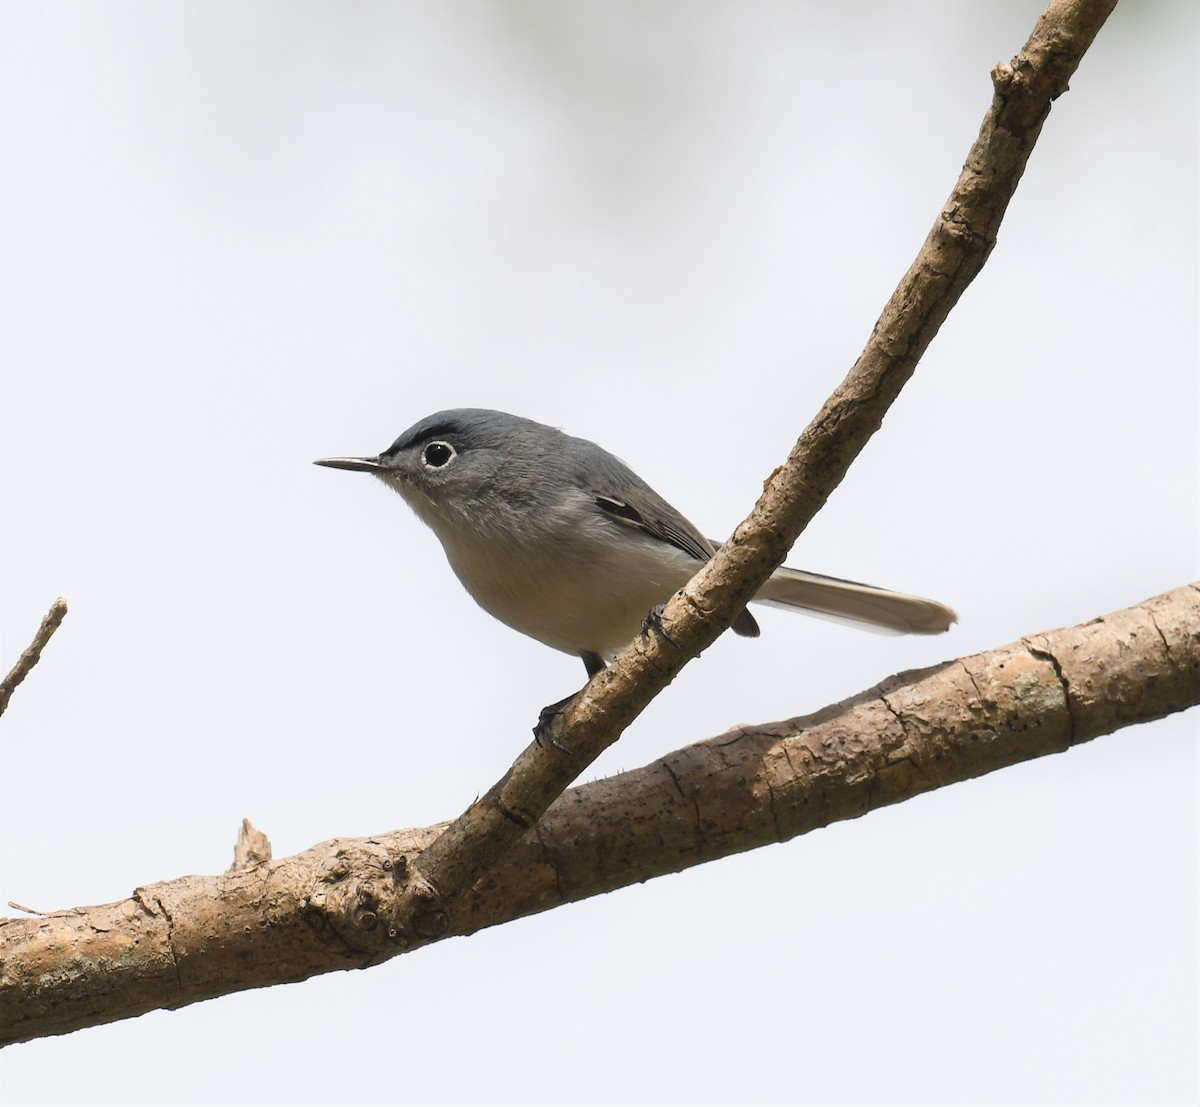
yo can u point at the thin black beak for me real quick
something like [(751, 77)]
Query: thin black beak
[(357, 464)]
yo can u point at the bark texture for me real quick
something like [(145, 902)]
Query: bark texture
[(336, 906), (953, 254), (354, 902)]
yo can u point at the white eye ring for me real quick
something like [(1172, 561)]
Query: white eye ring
[(437, 455)]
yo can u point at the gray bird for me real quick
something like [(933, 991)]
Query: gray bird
[(564, 542)]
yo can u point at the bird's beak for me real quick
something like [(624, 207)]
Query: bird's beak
[(357, 464)]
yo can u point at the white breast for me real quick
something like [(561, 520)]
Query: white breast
[(581, 584)]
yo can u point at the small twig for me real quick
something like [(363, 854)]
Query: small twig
[(28, 910), (33, 655)]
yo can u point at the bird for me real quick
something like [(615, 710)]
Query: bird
[(562, 541)]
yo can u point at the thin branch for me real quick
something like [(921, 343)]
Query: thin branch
[(953, 254), (33, 654), (333, 907)]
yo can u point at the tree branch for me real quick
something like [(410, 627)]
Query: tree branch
[(30, 657), (352, 903), (951, 257), (332, 907)]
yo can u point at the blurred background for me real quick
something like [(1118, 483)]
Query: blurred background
[(240, 236)]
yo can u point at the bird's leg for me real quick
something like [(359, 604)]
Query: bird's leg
[(544, 731)]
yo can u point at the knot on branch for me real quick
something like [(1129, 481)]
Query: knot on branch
[(1003, 76), (375, 903)]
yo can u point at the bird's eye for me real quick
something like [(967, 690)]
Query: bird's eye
[(437, 455)]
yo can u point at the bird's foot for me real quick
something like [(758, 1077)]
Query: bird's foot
[(654, 621), (545, 733)]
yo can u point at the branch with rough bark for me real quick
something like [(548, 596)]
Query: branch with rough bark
[(353, 903), (953, 254), (267, 922)]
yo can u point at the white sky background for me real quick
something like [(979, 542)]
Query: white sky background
[(237, 237)]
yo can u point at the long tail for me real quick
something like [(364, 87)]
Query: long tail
[(860, 604)]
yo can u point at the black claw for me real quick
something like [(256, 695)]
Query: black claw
[(544, 731), (654, 621)]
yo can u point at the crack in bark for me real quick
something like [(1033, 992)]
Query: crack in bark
[(515, 817), (774, 809), (971, 677), (166, 914), (683, 796), (1166, 644), (895, 714), (1047, 655)]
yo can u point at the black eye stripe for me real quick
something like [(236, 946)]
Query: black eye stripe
[(428, 434)]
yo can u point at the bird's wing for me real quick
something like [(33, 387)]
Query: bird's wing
[(645, 510), (657, 519)]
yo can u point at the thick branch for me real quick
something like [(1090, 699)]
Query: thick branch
[(334, 906), (953, 254)]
